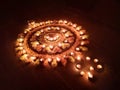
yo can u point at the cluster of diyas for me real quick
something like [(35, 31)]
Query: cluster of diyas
[(54, 42), (88, 67)]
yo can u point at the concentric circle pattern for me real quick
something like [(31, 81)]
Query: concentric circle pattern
[(51, 41), (55, 42)]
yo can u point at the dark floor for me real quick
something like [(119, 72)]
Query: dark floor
[(99, 17)]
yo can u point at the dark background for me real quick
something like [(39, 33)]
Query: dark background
[(101, 18)]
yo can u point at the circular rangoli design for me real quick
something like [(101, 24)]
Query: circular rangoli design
[(56, 41)]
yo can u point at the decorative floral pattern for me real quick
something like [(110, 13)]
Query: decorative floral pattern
[(52, 42)]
